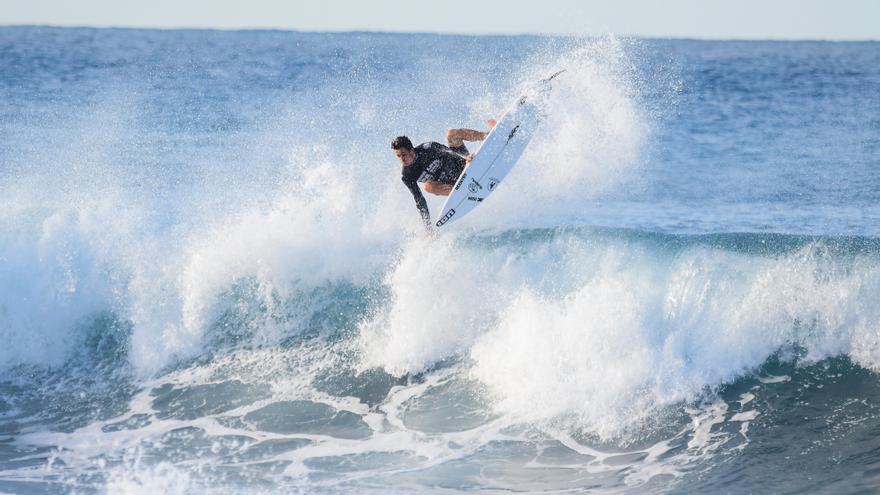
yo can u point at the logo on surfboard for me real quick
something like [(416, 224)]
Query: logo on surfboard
[(474, 186), (493, 183), (461, 181), (446, 217), (512, 132)]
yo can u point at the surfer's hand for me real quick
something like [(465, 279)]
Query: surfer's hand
[(468, 158), (491, 123)]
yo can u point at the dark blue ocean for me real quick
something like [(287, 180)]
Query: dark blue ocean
[(213, 281)]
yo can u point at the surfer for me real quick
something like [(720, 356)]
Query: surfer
[(436, 165)]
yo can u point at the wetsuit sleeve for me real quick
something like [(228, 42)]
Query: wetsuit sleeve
[(421, 204)]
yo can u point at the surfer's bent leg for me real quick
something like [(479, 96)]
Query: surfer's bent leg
[(455, 138), (438, 188)]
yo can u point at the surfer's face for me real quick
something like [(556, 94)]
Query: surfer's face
[(406, 157)]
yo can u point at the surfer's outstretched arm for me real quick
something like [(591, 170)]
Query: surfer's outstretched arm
[(421, 204), (457, 137)]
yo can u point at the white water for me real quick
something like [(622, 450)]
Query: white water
[(268, 255)]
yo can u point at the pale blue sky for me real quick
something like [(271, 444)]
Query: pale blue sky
[(751, 19)]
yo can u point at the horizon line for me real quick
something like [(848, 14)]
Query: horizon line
[(434, 33)]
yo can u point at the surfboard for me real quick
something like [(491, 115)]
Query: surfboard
[(497, 155)]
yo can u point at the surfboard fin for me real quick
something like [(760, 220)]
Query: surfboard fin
[(546, 80), (543, 86)]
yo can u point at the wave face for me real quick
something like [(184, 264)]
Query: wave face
[(212, 280)]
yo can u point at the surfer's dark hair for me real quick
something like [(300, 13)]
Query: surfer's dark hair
[(401, 142)]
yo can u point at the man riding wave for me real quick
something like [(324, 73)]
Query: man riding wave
[(435, 165)]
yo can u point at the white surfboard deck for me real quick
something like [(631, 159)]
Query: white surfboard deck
[(496, 156)]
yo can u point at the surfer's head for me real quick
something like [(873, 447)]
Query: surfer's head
[(403, 148)]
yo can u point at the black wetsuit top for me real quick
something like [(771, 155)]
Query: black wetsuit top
[(434, 162)]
